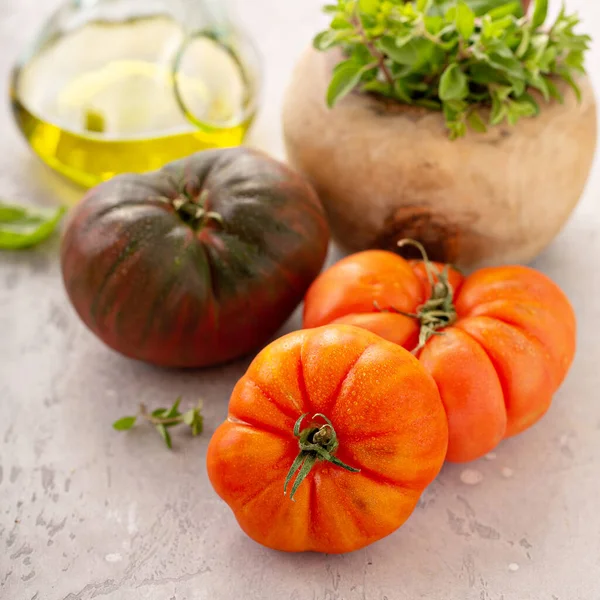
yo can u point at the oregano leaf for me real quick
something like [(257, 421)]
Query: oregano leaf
[(455, 55), (540, 12), (476, 122), (369, 7), (166, 436), (453, 84), (554, 91), (571, 83), (174, 410), (401, 91), (465, 20), (508, 8), (345, 78), (124, 424)]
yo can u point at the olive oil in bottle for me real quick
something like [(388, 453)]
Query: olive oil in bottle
[(130, 95)]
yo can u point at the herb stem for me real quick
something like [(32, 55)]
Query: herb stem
[(376, 54), (157, 420)]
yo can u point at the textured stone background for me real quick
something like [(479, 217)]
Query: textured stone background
[(86, 512)]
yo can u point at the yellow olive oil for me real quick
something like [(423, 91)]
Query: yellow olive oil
[(108, 98)]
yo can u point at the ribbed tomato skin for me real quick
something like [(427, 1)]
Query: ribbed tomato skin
[(155, 289), (497, 366)]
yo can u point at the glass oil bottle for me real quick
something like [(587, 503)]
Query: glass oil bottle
[(113, 86)]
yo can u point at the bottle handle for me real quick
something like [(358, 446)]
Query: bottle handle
[(222, 37)]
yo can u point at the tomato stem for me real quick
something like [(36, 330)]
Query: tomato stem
[(439, 311), (317, 442)]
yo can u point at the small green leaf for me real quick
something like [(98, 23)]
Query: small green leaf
[(457, 105), (453, 84), (539, 43), (524, 44), (479, 7), (174, 410), (554, 91), (189, 416), (511, 66), (428, 103), (512, 116), (23, 227), (377, 87), (423, 6), (165, 435), (414, 52), (529, 99), (369, 7), (485, 74), (465, 20), (124, 424), (502, 92), (498, 110), (194, 419), (198, 424), (539, 82), (496, 29), (159, 413), (325, 40), (434, 24), (510, 8), (540, 13), (571, 82), (401, 91), (400, 51), (476, 122), (575, 60), (345, 78), (340, 23), (518, 85)]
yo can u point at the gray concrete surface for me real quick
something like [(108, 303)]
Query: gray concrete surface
[(86, 512)]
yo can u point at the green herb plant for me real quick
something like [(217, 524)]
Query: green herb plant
[(26, 226), (165, 418), (475, 60)]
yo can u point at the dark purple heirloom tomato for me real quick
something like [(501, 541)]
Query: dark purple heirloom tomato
[(197, 263)]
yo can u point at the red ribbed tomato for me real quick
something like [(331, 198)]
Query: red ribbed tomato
[(497, 343), (197, 263)]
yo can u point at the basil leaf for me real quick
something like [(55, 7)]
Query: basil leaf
[(23, 227), (453, 84)]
